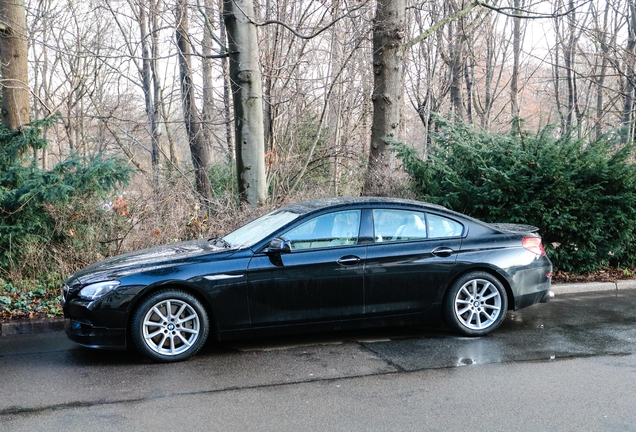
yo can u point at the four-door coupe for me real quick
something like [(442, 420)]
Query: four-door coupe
[(320, 265)]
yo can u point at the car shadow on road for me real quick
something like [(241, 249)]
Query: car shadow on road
[(95, 357)]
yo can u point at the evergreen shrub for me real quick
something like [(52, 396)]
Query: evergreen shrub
[(32, 199), (581, 194)]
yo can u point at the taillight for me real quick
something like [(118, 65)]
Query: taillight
[(534, 245)]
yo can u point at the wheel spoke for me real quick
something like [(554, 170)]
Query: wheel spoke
[(159, 346), (485, 288), (463, 311), (488, 297), (158, 312), (470, 318), (152, 324), (180, 311), (464, 293), (478, 319), (152, 335), (168, 310), (492, 307), (184, 340), (490, 317), (189, 318)]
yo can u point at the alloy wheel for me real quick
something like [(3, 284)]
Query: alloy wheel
[(171, 327), (477, 304)]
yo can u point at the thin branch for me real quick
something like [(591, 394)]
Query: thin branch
[(470, 7), (294, 32), (223, 49), (439, 25), (525, 14)]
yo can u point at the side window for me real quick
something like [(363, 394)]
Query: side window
[(439, 226), (398, 225), (329, 230)]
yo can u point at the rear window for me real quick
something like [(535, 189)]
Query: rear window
[(439, 227)]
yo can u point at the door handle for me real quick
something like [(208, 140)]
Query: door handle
[(442, 252), (349, 260)]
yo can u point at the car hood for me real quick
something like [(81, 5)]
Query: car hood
[(148, 259)]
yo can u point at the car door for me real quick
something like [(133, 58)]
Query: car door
[(409, 260), (321, 279)]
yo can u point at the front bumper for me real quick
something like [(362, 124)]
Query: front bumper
[(95, 337)]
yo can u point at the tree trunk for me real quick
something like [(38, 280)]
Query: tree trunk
[(600, 81), (208, 87), (388, 33), (271, 44), (146, 80), (514, 80), (14, 64), (568, 59), (198, 150), (335, 104), (630, 74), (227, 90), (159, 105), (556, 70), (247, 91), (457, 64)]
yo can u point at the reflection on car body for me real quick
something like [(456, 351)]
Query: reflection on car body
[(314, 266)]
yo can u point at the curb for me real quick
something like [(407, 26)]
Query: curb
[(56, 324), (593, 286), (29, 327)]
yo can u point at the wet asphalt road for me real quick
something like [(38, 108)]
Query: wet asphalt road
[(566, 365)]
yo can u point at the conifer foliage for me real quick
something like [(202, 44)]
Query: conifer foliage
[(581, 194), (28, 193)]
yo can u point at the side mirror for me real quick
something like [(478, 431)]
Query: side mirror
[(278, 245)]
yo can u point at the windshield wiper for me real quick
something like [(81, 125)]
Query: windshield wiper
[(221, 241)]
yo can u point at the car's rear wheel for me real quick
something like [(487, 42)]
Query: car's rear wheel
[(170, 325), (475, 304)]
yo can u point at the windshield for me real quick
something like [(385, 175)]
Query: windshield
[(260, 228)]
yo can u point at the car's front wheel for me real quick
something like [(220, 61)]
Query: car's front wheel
[(475, 304), (170, 325)]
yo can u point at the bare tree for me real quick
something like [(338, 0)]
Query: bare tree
[(192, 118), (388, 32), (207, 107), (147, 79)]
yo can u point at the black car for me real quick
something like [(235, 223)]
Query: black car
[(327, 264)]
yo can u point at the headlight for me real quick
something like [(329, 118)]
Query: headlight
[(97, 290)]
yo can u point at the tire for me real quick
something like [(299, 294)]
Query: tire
[(169, 326), (475, 304)]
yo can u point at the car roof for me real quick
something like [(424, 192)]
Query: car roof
[(314, 206), (325, 203)]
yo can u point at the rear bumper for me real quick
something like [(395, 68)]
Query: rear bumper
[(547, 297), (531, 283), (95, 337), (543, 296)]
